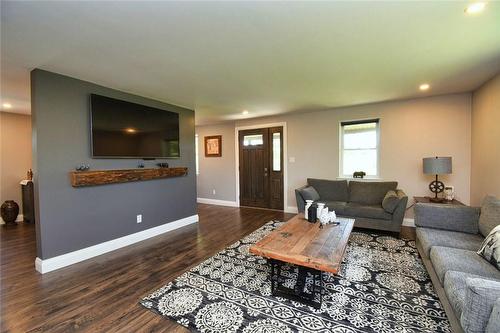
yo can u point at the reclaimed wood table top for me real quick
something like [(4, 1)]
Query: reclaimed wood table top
[(306, 244)]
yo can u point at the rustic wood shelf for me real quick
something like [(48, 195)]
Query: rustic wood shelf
[(102, 177)]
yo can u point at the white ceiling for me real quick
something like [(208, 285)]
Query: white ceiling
[(268, 58)]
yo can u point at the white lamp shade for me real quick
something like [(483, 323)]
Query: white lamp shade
[(437, 165)]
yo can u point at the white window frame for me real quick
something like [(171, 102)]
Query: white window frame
[(197, 154), (341, 146)]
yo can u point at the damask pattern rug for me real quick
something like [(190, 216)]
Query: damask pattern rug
[(382, 287)]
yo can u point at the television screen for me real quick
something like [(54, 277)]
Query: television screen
[(122, 129)]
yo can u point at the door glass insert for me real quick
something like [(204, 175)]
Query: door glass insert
[(253, 140), (276, 151)]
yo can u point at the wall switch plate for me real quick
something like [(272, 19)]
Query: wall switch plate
[(291, 159), (213, 191), (139, 218)]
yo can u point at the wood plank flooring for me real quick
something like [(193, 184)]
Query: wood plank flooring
[(102, 294)]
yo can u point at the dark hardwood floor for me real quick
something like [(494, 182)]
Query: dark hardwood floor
[(102, 294)]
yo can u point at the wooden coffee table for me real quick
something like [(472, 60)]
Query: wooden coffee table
[(312, 248)]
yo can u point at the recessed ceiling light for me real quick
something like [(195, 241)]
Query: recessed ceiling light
[(7, 105), (245, 112), (130, 130), (424, 86), (475, 8)]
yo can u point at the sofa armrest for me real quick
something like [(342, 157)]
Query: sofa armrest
[(481, 296), (399, 213), (301, 204), (447, 217), (494, 321)]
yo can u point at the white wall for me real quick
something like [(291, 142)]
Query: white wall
[(485, 177), (410, 130), (15, 154), (217, 172)]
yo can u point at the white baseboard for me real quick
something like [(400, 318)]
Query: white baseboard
[(292, 209), (409, 222), (63, 260), (217, 202)]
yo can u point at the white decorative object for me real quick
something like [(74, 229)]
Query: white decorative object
[(320, 208), (332, 216), (324, 219), (308, 204), (449, 193)]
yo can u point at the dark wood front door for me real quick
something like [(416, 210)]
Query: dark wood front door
[(261, 167)]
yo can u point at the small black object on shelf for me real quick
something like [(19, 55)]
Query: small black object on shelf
[(162, 164), (82, 167), (140, 165)]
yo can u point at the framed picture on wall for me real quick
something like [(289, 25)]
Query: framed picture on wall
[(213, 146)]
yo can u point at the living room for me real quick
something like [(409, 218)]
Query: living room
[(383, 115)]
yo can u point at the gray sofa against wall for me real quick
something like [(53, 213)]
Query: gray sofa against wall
[(373, 205), (448, 238)]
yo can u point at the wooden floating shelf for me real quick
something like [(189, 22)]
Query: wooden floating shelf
[(103, 177)]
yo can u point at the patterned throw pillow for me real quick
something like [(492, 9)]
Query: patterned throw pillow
[(490, 249)]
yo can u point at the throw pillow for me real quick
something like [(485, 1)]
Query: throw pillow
[(490, 215), (490, 249), (390, 202), (309, 193)]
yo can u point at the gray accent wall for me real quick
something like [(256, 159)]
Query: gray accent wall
[(70, 219)]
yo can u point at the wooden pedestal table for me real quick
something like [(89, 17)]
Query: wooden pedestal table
[(312, 248)]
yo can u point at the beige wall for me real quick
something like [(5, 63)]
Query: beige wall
[(485, 177), (409, 131), (217, 173), (15, 154)]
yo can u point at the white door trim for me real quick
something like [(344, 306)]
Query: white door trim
[(285, 158)]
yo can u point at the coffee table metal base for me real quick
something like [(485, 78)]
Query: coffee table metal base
[(310, 295)]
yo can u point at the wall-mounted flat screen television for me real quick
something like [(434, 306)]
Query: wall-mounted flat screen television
[(121, 129)]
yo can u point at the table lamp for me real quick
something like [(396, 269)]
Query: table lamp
[(437, 166)]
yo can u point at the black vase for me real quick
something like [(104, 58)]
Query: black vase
[(9, 211), (311, 213)]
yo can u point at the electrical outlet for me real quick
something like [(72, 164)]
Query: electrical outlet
[(213, 191), (139, 218)]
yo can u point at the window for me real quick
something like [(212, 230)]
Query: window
[(253, 140), (277, 151), (359, 147), (197, 158)]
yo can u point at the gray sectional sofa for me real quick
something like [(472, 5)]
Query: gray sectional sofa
[(448, 238), (374, 205)]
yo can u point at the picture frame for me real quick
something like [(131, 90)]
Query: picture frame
[(213, 146)]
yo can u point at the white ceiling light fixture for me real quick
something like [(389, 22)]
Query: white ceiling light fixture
[(7, 105), (475, 8), (424, 86), (245, 112)]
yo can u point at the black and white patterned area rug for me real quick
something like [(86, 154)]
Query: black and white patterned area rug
[(382, 287)]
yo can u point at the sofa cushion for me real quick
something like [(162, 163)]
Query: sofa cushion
[(446, 259), (490, 249), (369, 193), (370, 211), (428, 238), (490, 215), (455, 287), (337, 206), (480, 298), (330, 190), (309, 193), (494, 322), (390, 201)]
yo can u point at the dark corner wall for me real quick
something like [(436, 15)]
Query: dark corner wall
[(70, 219)]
